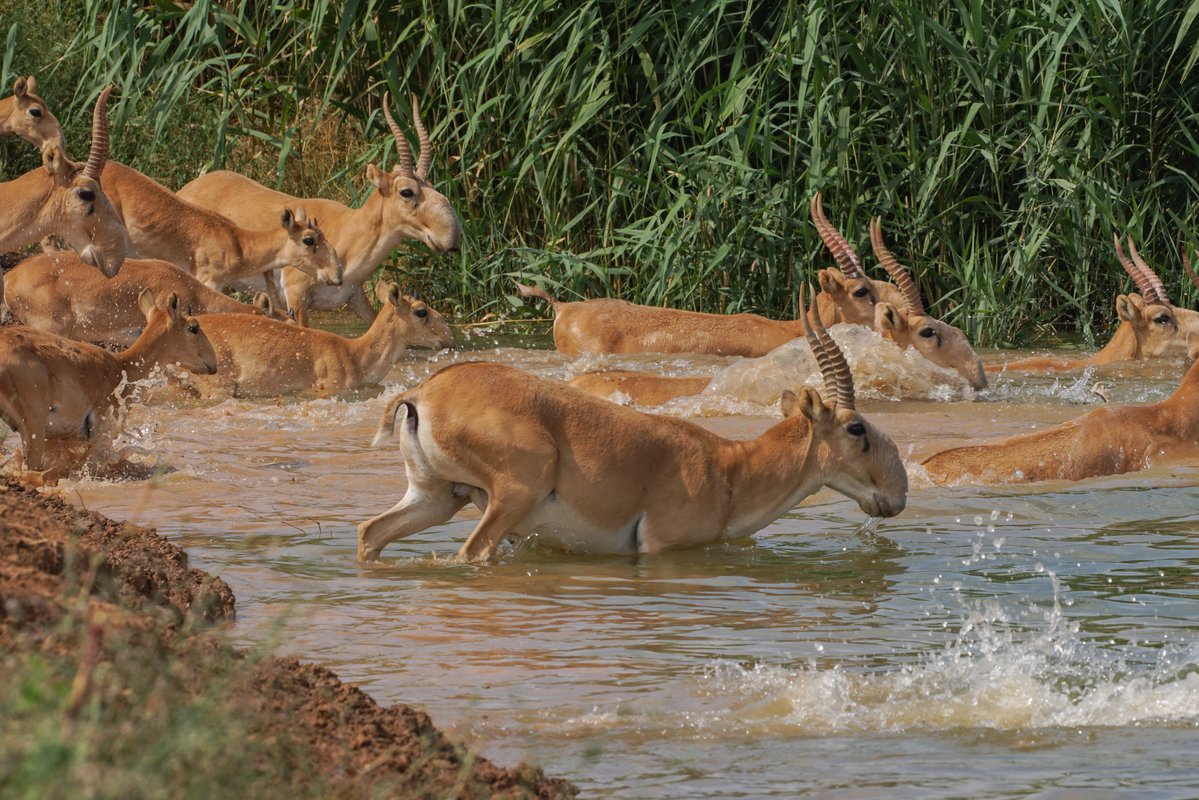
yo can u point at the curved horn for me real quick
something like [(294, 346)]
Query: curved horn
[(99, 152), (835, 242), (1142, 285), (402, 150), (838, 380), (1186, 266), (425, 157), (898, 272), (1151, 278)]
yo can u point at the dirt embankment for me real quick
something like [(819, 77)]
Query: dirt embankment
[(132, 590)]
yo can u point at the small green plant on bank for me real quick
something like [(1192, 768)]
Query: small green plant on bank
[(666, 153)]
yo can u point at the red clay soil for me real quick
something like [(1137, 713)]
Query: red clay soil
[(50, 552)]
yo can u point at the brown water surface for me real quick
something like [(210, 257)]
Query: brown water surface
[(990, 642)]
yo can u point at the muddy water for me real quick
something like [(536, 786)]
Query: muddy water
[(990, 642)]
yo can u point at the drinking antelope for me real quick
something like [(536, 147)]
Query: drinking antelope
[(26, 115), (403, 205), (57, 292), (1107, 441), (539, 457), (261, 357), (64, 198), (57, 389)]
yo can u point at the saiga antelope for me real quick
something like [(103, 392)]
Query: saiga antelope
[(208, 245), (261, 357), (56, 389), (1107, 441), (1151, 326), (403, 205), (65, 199), (58, 293), (26, 115), (590, 476)]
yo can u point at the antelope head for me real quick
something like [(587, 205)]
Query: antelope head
[(848, 287), (308, 249), (82, 214), (26, 115), (176, 338), (412, 205), (417, 323), (856, 458), (1159, 327), (911, 326)]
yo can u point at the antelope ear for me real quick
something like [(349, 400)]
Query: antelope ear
[(288, 219), (382, 290), (378, 177), (888, 318), (1130, 308), (301, 217), (812, 407), (55, 160), (789, 403), (22, 86), (831, 280), (173, 306), (262, 301), (145, 302), (394, 297)]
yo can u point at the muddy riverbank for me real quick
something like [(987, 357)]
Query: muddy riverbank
[(98, 617)]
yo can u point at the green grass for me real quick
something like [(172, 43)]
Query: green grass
[(666, 153)]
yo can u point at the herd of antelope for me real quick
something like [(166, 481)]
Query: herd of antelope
[(142, 289)]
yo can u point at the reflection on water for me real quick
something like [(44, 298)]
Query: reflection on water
[(1038, 640)]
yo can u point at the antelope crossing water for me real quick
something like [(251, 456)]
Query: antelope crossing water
[(989, 642)]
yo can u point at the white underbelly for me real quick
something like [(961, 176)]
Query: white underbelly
[(558, 526), (324, 297)]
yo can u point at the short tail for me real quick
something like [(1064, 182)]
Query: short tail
[(387, 424), (533, 291)]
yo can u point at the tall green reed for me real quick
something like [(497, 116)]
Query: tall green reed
[(667, 153)]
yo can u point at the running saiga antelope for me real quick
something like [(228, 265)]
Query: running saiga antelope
[(585, 475), (261, 357), (58, 293), (1107, 441), (210, 246), (64, 198), (1151, 326), (26, 115), (403, 205), (54, 389)]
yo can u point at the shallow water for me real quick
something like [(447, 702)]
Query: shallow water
[(990, 642)]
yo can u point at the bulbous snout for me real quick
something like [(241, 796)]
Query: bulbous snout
[(880, 506), (334, 274), (977, 377)]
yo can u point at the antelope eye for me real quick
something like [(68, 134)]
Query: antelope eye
[(927, 333), (407, 194), (421, 312), (861, 291), (1162, 320), (193, 327), (309, 241), (856, 429), (35, 112), (86, 195)]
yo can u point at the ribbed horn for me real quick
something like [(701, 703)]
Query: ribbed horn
[(818, 349), (898, 272), (1142, 282), (847, 259), (425, 158), (98, 155), (838, 379), (1186, 267), (405, 154), (1155, 282)]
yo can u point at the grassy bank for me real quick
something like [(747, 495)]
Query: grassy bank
[(666, 152)]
